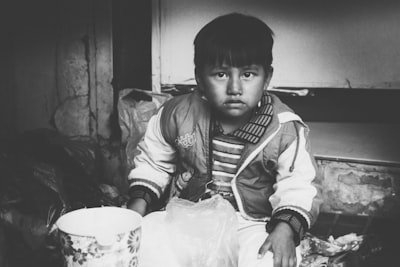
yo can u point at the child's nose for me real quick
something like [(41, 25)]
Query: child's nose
[(234, 86)]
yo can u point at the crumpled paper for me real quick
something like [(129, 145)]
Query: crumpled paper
[(317, 252)]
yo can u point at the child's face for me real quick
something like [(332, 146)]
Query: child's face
[(233, 92)]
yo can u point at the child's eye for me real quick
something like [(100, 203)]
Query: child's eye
[(221, 75), (248, 75)]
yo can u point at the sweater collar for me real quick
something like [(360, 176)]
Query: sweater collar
[(255, 128)]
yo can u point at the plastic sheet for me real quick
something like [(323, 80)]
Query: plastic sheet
[(135, 108), (45, 175), (205, 232)]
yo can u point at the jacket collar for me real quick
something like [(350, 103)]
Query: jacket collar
[(254, 129)]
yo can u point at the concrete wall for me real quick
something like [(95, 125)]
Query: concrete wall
[(59, 67), (318, 43)]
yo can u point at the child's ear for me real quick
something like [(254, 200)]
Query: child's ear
[(198, 80), (200, 86), (269, 73), (268, 78)]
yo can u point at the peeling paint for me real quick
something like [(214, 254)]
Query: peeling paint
[(377, 180), (72, 116), (362, 189), (349, 178)]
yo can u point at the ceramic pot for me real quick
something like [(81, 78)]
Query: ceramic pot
[(104, 236)]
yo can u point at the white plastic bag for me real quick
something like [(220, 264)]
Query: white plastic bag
[(205, 233), (134, 114)]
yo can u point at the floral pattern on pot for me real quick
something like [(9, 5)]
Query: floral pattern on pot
[(86, 251), (79, 248), (134, 241), (134, 262)]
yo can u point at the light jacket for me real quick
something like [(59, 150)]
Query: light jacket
[(276, 174)]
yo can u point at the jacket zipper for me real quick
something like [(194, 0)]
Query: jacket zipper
[(210, 157), (241, 168)]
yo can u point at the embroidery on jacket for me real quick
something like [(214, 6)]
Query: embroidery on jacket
[(186, 141)]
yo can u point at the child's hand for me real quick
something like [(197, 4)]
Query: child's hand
[(139, 205), (281, 243)]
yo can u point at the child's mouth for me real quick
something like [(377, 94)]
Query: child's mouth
[(234, 104)]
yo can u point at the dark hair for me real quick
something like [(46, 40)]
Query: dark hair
[(234, 39)]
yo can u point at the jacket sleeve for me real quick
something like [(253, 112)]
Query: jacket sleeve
[(155, 162), (297, 197)]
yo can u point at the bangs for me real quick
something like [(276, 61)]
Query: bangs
[(236, 53)]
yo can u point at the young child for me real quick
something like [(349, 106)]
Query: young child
[(234, 138)]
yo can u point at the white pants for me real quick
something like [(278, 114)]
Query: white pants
[(155, 248)]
